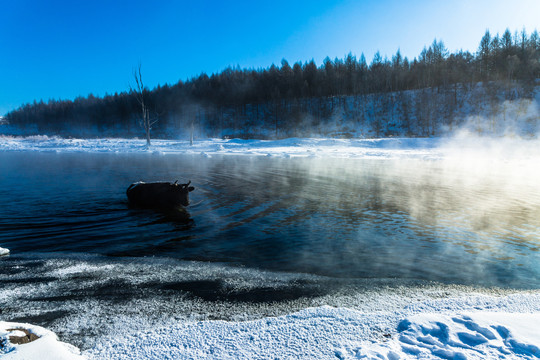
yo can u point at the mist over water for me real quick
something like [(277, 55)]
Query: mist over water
[(449, 220)]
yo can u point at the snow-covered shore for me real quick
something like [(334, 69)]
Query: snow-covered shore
[(293, 147), (461, 144), (327, 333), (474, 327)]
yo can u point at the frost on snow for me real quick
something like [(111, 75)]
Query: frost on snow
[(325, 333)]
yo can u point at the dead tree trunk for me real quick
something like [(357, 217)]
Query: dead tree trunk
[(141, 94)]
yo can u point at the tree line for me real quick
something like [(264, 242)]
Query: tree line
[(221, 100)]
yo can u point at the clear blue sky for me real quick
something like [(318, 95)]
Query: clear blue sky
[(62, 49)]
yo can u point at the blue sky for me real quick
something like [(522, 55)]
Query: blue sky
[(63, 49)]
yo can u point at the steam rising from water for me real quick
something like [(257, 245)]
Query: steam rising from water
[(469, 203)]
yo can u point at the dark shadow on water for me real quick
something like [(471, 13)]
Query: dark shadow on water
[(22, 267), (30, 280), (211, 290), (216, 290), (115, 291), (179, 216), (44, 319)]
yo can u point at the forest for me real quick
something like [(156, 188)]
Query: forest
[(285, 100)]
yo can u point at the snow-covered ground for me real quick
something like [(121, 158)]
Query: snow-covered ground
[(294, 147), (461, 145), (472, 326), (341, 333)]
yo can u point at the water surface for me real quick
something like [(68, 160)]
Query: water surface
[(266, 236), (348, 218)]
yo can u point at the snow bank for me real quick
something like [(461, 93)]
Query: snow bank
[(293, 147), (462, 145), (4, 251), (313, 333), (326, 332), (46, 347)]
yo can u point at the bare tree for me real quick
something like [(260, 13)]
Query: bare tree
[(141, 93)]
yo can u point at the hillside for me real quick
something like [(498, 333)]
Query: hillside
[(493, 107)]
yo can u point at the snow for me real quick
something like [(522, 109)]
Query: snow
[(322, 332), (293, 147), (461, 145), (462, 336), (46, 347), (327, 332), (3, 251)]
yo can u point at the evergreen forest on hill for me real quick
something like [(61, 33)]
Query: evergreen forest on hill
[(396, 96)]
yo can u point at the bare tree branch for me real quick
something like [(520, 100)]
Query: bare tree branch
[(146, 122)]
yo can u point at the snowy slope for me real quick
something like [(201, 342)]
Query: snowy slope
[(489, 108)]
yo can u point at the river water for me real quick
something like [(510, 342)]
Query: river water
[(260, 230)]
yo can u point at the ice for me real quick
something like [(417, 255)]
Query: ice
[(392, 322)]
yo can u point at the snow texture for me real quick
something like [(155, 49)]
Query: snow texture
[(481, 335), (316, 333), (293, 147), (330, 333), (464, 147)]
